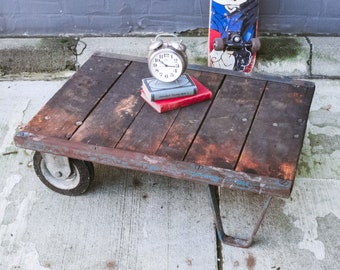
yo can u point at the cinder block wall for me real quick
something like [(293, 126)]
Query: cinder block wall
[(111, 17)]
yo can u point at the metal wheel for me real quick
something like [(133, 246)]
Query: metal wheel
[(76, 183), (255, 44), (219, 44)]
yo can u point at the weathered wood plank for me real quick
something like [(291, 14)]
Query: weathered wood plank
[(180, 135), (221, 138), (275, 141), (62, 114), (108, 122), (147, 131), (157, 165)]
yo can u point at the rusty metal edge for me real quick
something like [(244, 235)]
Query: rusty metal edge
[(155, 164), (253, 75)]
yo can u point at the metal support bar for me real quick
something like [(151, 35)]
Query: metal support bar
[(227, 239)]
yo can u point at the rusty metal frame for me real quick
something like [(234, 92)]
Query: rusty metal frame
[(227, 239)]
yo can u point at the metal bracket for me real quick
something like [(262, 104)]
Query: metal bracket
[(58, 166), (227, 239)]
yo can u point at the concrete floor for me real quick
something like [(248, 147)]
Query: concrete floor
[(133, 220)]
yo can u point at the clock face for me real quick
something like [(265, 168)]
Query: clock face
[(166, 65)]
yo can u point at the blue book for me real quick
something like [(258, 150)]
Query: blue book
[(156, 90)]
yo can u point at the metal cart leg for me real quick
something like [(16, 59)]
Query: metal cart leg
[(227, 239)]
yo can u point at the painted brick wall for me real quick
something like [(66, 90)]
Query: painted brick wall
[(108, 17), (300, 16)]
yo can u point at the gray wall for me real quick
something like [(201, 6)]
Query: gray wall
[(111, 17), (300, 16)]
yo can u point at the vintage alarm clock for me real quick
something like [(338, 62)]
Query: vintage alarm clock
[(167, 60)]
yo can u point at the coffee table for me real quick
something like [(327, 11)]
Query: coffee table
[(247, 137)]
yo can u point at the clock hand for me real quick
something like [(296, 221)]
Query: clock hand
[(166, 65), (162, 63)]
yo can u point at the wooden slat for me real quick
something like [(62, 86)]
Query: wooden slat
[(222, 135), (276, 137), (147, 131), (73, 102), (114, 114), (183, 130), (157, 165)]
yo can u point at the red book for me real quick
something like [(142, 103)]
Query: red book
[(165, 105)]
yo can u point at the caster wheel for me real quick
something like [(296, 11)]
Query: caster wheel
[(219, 44), (255, 44), (80, 178)]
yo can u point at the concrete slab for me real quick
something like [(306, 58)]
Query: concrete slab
[(132, 220), (196, 47), (321, 153), (29, 55), (286, 56), (326, 57)]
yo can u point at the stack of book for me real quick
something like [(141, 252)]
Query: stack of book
[(163, 97)]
